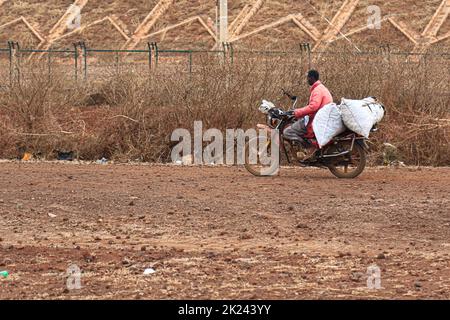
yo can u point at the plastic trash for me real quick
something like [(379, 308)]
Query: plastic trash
[(4, 274), (102, 161), (27, 156), (149, 271), (65, 156)]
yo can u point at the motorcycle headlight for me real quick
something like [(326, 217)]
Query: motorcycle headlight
[(266, 106), (271, 122)]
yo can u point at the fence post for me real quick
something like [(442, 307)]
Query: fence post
[(231, 53), (389, 55), (228, 52), (309, 55), (156, 54), (17, 60), (224, 51), (149, 45), (117, 61), (10, 55), (301, 57), (306, 47), (13, 48), (85, 67), (386, 53), (190, 61), (152, 47), (49, 61), (75, 45)]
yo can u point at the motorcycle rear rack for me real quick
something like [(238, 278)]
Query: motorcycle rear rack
[(353, 138)]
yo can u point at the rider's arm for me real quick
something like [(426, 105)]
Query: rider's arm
[(314, 105)]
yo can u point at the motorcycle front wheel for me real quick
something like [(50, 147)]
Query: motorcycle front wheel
[(258, 151)]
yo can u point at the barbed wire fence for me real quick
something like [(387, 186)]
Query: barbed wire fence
[(82, 63)]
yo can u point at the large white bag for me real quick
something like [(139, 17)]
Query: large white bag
[(327, 124), (360, 116)]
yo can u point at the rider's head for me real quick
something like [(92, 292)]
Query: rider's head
[(313, 77)]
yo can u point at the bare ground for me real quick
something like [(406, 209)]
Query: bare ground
[(219, 233)]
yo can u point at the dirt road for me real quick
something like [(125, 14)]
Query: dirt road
[(221, 233)]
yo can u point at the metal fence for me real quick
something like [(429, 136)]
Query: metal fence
[(5, 66), (83, 63)]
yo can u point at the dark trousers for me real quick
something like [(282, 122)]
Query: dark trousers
[(296, 132)]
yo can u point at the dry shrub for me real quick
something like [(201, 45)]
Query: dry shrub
[(137, 112), (34, 113), (415, 93)]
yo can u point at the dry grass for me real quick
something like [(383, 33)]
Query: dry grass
[(130, 116)]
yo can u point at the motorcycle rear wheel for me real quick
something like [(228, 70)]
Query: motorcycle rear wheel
[(350, 169)]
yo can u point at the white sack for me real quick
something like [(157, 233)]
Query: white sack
[(360, 116), (327, 124)]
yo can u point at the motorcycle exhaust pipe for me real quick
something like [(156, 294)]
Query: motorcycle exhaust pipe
[(336, 155)]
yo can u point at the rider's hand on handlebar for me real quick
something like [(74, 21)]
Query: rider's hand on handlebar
[(277, 113), (289, 113)]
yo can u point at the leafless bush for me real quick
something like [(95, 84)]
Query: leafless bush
[(137, 112)]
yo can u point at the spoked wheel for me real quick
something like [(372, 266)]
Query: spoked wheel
[(258, 157), (349, 166)]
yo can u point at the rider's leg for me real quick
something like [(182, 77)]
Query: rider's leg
[(296, 132)]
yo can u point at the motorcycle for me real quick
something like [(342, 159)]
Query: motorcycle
[(344, 156)]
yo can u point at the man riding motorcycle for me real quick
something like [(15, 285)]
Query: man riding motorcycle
[(301, 130)]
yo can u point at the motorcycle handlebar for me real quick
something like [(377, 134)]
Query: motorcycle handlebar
[(280, 114)]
